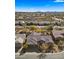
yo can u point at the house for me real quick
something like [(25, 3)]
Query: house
[(33, 39), (19, 38)]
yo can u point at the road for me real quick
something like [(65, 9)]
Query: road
[(36, 56)]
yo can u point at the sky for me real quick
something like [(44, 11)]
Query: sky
[(39, 5)]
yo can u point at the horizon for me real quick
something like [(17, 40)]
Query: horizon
[(39, 5), (39, 11)]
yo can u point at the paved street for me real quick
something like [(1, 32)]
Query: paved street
[(36, 56)]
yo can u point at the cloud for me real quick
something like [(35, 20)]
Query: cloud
[(59, 1)]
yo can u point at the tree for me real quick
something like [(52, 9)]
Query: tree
[(50, 28)]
